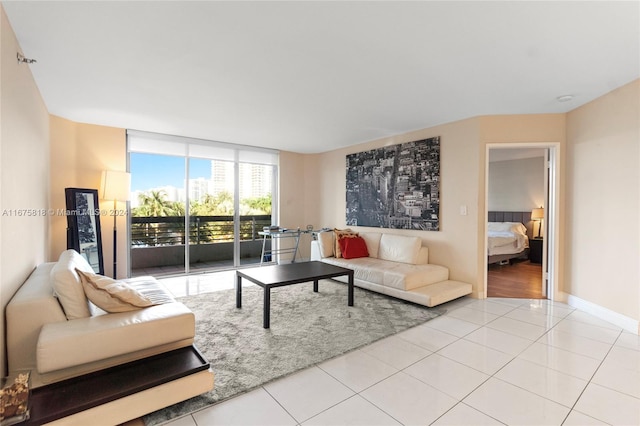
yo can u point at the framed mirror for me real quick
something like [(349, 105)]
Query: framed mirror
[(83, 225)]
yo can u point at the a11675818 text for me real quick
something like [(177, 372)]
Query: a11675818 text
[(62, 212)]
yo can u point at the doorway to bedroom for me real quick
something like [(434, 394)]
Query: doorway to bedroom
[(518, 183)]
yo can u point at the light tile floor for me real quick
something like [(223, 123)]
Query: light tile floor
[(484, 362)]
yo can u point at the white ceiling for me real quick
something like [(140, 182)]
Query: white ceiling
[(316, 76)]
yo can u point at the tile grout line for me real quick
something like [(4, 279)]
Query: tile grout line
[(282, 406), (589, 382), (509, 362)]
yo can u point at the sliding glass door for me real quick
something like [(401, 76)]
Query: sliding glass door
[(209, 217), (211, 214), (255, 188), (157, 228)]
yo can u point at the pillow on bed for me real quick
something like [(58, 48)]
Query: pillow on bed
[(515, 227)]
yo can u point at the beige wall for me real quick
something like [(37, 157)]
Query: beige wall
[(79, 154), (460, 243), (296, 207), (516, 185), (24, 173), (456, 243), (603, 192)]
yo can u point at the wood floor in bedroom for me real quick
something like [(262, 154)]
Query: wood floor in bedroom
[(521, 279)]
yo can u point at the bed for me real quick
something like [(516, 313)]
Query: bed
[(508, 236)]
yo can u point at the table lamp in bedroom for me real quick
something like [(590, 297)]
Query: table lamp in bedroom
[(537, 215)]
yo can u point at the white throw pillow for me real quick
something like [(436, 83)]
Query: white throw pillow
[(111, 295), (67, 286), (325, 241), (373, 242), (399, 248)]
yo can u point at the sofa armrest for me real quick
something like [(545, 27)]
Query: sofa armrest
[(315, 251), (84, 340), (423, 256), (33, 306)]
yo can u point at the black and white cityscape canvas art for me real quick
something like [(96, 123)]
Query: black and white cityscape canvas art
[(395, 186)]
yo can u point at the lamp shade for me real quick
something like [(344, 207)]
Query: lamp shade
[(537, 214), (115, 185)]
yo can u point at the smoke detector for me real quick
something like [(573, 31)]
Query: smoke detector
[(564, 98)]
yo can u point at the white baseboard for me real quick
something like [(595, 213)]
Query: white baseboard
[(629, 324)]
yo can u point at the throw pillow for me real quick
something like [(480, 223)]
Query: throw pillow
[(353, 248), (326, 244), (341, 233), (399, 248), (111, 295), (66, 284)]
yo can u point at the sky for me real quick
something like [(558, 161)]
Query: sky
[(153, 171)]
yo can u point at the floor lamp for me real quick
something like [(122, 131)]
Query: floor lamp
[(115, 186)]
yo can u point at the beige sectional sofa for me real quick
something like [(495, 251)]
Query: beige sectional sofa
[(397, 266), (57, 334)]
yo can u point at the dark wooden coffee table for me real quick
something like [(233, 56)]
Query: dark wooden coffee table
[(269, 277)]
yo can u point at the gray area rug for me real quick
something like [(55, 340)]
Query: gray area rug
[(306, 328)]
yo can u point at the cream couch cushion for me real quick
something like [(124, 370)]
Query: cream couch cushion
[(372, 239), (401, 276), (85, 340), (408, 277), (67, 286), (364, 268), (399, 248)]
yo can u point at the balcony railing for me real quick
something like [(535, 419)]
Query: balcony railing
[(158, 243), (170, 230)]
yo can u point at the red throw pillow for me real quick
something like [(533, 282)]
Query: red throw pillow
[(353, 247)]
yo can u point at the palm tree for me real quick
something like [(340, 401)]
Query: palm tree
[(214, 205), (154, 204), (177, 208), (259, 205)]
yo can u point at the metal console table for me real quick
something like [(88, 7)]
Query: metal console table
[(277, 234)]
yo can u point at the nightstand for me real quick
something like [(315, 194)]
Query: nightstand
[(535, 250)]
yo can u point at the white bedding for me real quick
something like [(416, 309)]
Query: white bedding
[(506, 238)]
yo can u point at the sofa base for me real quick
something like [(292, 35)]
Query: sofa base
[(435, 294), (122, 393), (43, 379), (430, 295), (141, 403)]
